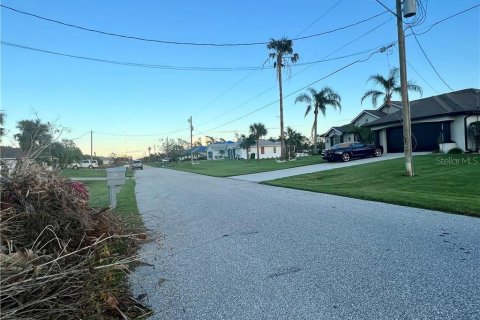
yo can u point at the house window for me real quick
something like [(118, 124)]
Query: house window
[(274, 149), (262, 150)]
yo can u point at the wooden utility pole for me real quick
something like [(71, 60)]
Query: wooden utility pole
[(191, 138), (407, 125), (91, 148)]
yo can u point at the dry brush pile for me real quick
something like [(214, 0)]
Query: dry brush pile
[(60, 259)]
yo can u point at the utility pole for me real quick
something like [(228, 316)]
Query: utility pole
[(407, 125), (191, 138), (91, 147)]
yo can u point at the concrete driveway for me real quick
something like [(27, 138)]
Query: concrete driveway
[(277, 174), (229, 249)]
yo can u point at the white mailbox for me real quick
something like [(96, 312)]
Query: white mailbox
[(115, 179)]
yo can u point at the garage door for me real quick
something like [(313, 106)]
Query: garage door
[(395, 139), (424, 136)]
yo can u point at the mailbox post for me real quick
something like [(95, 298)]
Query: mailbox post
[(115, 179)]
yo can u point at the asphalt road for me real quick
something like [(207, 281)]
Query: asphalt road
[(229, 249)]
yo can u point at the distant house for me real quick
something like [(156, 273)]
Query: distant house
[(437, 122), (233, 150), (267, 149), (218, 150), (198, 152)]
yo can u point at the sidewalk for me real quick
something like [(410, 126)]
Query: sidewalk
[(272, 175)]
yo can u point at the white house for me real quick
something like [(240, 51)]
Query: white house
[(233, 150), (267, 149), (218, 150)]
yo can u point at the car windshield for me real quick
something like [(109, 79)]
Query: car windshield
[(137, 161), (341, 145)]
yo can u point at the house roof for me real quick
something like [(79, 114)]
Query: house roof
[(261, 143), (219, 145), (196, 149), (397, 104), (458, 102), (9, 152), (375, 113), (267, 143), (340, 129)]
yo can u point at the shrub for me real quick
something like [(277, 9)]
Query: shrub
[(252, 156), (455, 151)]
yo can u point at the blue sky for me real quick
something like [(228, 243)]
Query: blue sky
[(131, 108)]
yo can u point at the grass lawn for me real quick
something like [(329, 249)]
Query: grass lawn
[(90, 173), (227, 168), (443, 182), (126, 203)]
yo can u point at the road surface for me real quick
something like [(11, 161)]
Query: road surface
[(229, 249)]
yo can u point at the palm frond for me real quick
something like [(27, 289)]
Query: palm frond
[(411, 86), (372, 94), (303, 97), (309, 108)]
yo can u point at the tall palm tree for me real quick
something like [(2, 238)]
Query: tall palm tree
[(258, 130), (388, 87), (318, 101), (281, 52)]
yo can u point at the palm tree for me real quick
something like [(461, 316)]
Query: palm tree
[(319, 100), (388, 87), (281, 53), (2, 130), (258, 130), (246, 143)]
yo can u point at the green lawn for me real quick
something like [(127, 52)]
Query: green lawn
[(448, 183), (89, 173), (227, 168), (126, 203), (81, 173)]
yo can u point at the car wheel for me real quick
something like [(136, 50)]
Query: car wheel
[(75, 167), (377, 152), (90, 167), (345, 157)]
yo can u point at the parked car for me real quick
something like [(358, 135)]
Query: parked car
[(137, 164), (85, 164), (166, 160), (347, 151)]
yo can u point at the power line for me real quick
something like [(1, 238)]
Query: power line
[(320, 17), (381, 3), (134, 64), (253, 71), (165, 67), (420, 75), (292, 93), (429, 61), (324, 59), (261, 108), (184, 43), (447, 18)]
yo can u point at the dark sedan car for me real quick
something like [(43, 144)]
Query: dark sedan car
[(349, 150)]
